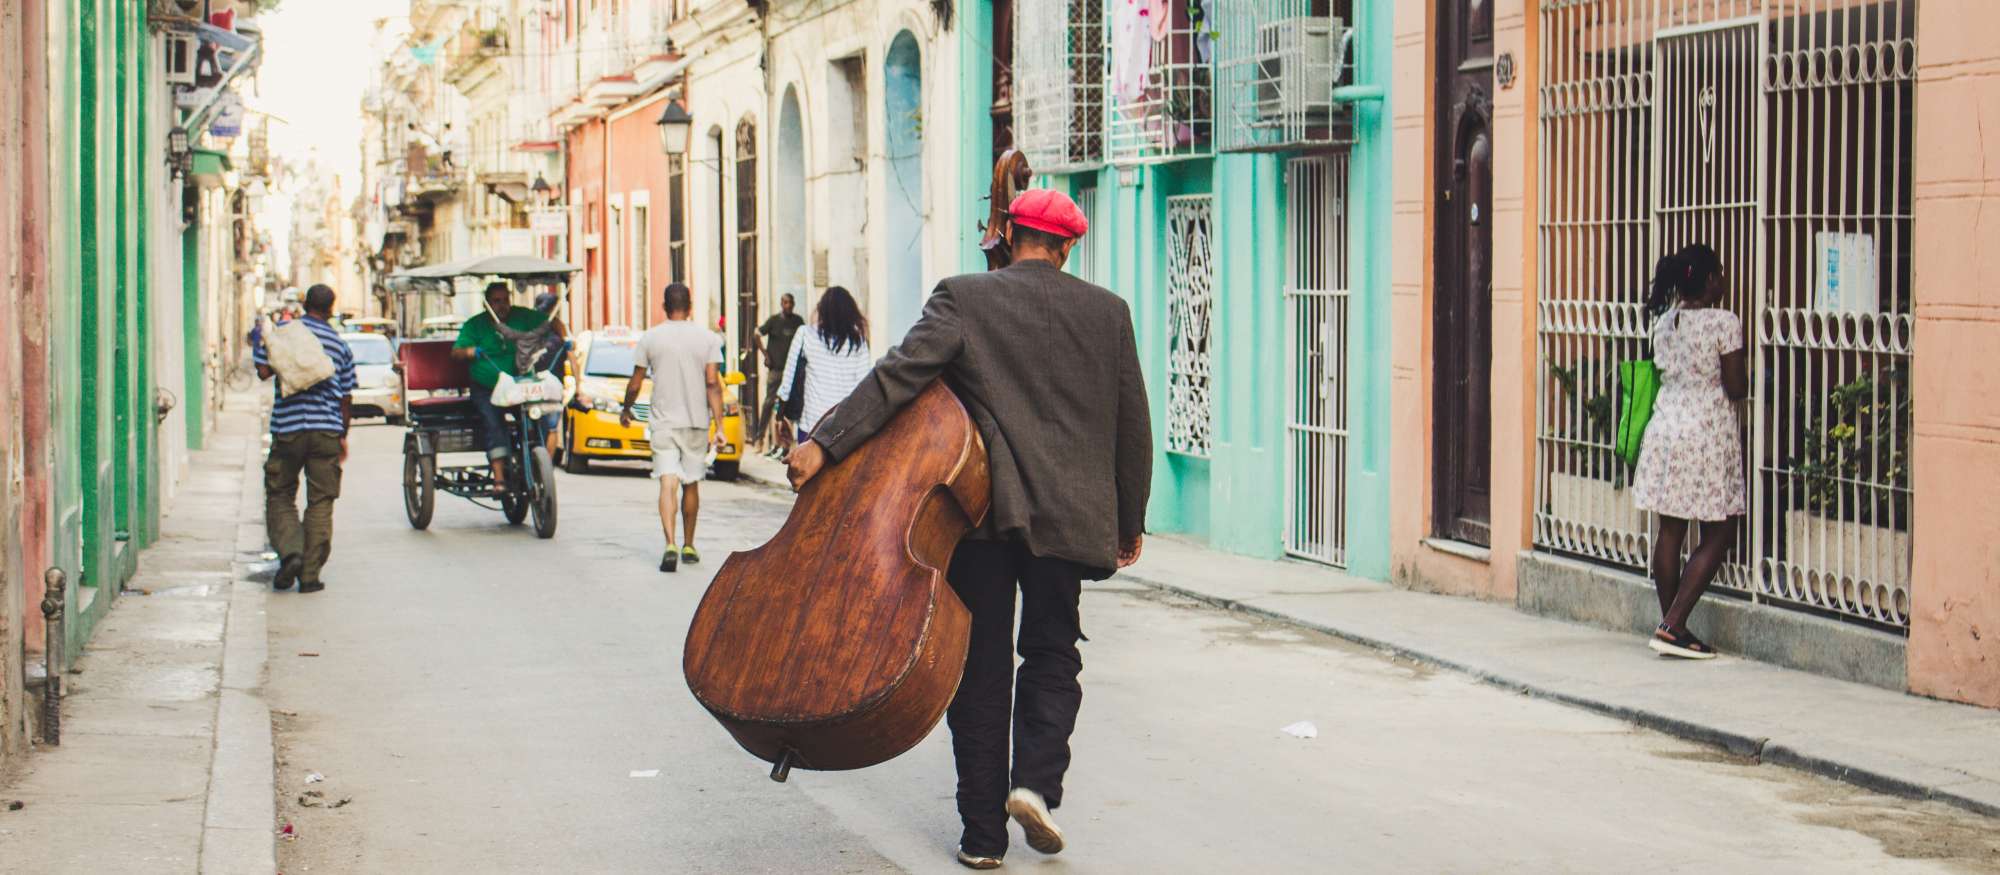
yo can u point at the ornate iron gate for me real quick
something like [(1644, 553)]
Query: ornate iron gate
[(1190, 315), (1780, 133), (1316, 359)]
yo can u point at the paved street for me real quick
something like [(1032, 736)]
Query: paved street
[(484, 699)]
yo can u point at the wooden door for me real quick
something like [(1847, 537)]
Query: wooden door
[(1462, 307)]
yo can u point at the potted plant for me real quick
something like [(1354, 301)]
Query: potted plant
[(1848, 522), (1586, 482)]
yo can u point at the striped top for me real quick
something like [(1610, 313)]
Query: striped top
[(830, 375), (317, 408)]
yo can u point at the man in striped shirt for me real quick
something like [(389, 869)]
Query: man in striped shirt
[(308, 433)]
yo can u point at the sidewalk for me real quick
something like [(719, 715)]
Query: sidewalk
[(1869, 736), (165, 763), (1876, 738)]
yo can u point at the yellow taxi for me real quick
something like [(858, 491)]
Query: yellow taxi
[(600, 368)]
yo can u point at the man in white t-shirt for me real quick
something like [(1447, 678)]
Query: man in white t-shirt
[(685, 361)]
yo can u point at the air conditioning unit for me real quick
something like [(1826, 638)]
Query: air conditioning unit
[(1300, 60), (179, 51)]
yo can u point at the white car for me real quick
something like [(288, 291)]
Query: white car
[(378, 389)]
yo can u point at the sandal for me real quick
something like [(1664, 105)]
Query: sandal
[(1683, 644)]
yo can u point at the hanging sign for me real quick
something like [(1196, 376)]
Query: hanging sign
[(549, 223), (1846, 273), (228, 116)]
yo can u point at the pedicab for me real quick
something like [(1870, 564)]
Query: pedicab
[(445, 421)]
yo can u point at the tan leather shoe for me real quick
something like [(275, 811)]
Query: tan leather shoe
[(974, 861), (1032, 812)]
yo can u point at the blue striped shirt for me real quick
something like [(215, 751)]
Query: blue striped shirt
[(317, 408)]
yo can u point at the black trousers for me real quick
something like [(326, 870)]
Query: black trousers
[(1044, 702)]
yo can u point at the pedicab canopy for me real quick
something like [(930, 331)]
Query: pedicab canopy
[(519, 268)]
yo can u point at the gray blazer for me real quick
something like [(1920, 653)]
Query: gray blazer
[(1049, 369)]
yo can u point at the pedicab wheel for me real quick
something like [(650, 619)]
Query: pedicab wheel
[(727, 470), (544, 498), (419, 488), (514, 504)]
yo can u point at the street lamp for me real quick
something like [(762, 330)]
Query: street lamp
[(541, 192), (675, 127), (179, 156)]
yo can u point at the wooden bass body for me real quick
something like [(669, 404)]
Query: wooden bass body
[(838, 644)]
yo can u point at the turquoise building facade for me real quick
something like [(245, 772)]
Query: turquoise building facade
[(1245, 216)]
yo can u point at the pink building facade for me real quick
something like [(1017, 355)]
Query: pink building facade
[(1549, 154), (1954, 648)]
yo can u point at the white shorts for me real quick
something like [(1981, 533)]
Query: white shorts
[(680, 452)]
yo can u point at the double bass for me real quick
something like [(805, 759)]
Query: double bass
[(1011, 176), (838, 644)]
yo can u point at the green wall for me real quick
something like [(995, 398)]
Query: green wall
[(105, 483), (1235, 499), (1370, 200)]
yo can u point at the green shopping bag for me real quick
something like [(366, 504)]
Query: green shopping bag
[(1638, 385)]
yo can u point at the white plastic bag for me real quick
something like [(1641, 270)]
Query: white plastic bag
[(295, 353), (542, 388)]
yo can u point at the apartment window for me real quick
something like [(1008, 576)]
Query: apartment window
[(677, 219), (642, 262)]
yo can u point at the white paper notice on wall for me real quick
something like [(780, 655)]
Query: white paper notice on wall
[(1846, 272)]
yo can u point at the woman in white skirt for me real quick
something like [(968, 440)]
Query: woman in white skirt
[(835, 352), (1691, 464)]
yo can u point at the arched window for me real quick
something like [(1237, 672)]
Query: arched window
[(789, 228), (903, 101)]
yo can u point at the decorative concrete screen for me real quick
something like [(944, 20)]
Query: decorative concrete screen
[(1276, 65), (1780, 134), (1190, 323)]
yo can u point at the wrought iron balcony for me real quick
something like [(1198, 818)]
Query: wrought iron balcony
[(1277, 64), (1159, 87), (1059, 82)]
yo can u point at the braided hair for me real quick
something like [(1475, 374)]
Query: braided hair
[(1682, 276)]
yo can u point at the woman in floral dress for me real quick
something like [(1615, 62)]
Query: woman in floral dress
[(1691, 464)]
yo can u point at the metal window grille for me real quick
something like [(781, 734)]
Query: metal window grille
[(1059, 84), (1190, 319), (1085, 256), (1168, 112), (1276, 64), (1316, 293), (1779, 133)]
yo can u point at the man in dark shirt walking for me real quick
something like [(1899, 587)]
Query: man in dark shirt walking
[(1048, 367), (309, 434), (780, 328)]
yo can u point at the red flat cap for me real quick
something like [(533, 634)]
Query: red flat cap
[(1048, 210)]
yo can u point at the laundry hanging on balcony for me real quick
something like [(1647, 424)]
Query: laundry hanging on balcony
[(1204, 36), (1133, 23)]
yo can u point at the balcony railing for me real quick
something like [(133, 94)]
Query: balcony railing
[(1059, 83), (1159, 88), (1277, 63)]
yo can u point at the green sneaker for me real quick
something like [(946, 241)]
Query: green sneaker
[(689, 556)]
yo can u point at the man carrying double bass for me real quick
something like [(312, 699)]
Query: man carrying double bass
[(1047, 366)]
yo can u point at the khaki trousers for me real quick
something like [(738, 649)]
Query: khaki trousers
[(317, 453)]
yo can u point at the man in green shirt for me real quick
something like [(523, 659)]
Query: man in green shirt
[(480, 343)]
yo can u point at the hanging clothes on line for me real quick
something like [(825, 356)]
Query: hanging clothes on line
[(1131, 47), (1204, 40)]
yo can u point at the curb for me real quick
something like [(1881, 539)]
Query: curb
[(239, 825), (1762, 749)]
